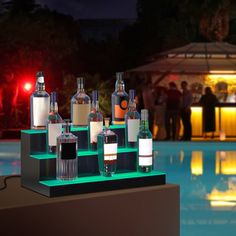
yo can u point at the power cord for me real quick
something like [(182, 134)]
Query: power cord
[(5, 180)]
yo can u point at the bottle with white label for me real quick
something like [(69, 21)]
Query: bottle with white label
[(54, 124), (145, 157), (80, 105), (95, 122), (107, 151), (39, 104), (67, 161), (132, 122)]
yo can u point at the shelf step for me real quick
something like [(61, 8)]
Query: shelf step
[(98, 183), (43, 156)]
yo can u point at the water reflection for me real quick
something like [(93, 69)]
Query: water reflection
[(207, 182), (10, 167), (197, 163), (223, 195), (225, 162), (9, 158)]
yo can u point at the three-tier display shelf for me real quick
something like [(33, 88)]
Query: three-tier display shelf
[(38, 168)]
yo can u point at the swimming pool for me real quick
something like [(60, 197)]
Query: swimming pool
[(205, 171), (9, 158)]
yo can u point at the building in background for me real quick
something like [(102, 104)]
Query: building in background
[(201, 65)]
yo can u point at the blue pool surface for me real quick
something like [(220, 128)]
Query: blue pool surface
[(205, 171), (9, 158)]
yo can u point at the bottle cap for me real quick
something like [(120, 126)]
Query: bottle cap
[(40, 77), (80, 82), (119, 75), (95, 95), (53, 97), (144, 114), (107, 122), (131, 94)]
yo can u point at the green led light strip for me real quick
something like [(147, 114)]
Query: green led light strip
[(73, 129), (99, 178)]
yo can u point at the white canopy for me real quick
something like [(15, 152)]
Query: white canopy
[(194, 58)]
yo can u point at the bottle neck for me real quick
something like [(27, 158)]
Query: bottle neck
[(132, 105), (80, 90), (107, 124), (80, 87), (120, 86), (144, 125), (67, 129), (54, 107), (95, 105), (40, 86)]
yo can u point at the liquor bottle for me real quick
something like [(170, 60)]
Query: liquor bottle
[(95, 122), (119, 100), (39, 104), (132, 121), (67, 162), (54, 124), (107, 151), (80, 105), (145, 159)]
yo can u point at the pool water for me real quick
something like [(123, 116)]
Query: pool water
[(205, 171), (9, 158)]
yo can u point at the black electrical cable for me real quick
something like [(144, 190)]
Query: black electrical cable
[(5, 180)]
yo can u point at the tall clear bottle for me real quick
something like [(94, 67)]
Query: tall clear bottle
[(145, 157), (132, 122), (39, 104), (80, 105), (67, 161), (107, 151), (119, 100), (54, 124), (95, 122)]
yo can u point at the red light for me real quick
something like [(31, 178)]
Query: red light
[(27, 87)]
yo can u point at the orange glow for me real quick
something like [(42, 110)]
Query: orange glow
[(197, 163), (225, 198), (222, 72), (225, 162), (222, 204)]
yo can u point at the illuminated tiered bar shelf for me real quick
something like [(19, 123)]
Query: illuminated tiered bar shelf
[(38, 168), (225, 119)]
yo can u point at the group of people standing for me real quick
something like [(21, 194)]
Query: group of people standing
[(171, 106), (177, 107)]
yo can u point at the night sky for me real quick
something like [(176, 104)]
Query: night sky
[(93, 8)]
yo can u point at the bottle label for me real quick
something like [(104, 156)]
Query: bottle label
[(95, 129), (133, 129), (121, 107), (110, 152), (40, 110), (145, 152), (54, 130), (68, 151), (80, 114)]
